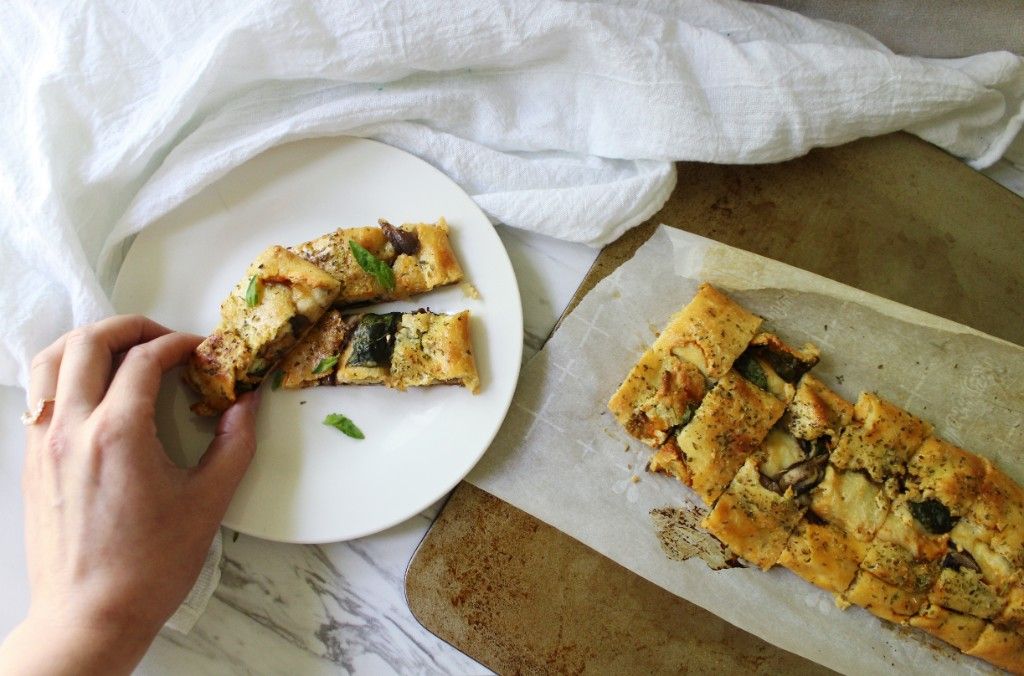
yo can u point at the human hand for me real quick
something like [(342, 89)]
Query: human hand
[(116, 534)]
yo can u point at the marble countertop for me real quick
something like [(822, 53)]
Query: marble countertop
[(336, 608)]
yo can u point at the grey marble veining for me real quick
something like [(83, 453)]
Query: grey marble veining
[(312, 609)]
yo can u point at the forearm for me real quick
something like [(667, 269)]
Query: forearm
[(45, 646)]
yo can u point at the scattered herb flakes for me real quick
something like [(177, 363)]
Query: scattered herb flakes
[(252, 294), (326, 364), (380, 270), (275, 381), (343, 425), (234, 538)]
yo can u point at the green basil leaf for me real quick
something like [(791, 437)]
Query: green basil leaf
[(343, 425), (252, 294), (325, 364), (380, 270), (749, 368), (275, 382)]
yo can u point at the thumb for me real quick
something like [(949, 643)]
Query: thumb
[(229, 454)]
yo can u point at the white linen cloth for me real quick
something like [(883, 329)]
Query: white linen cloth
[(558, 117)]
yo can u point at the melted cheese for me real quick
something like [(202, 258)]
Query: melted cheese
[(851, 501), (778, 452)]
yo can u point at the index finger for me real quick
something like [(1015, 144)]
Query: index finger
[(86, 356), (137, 381)]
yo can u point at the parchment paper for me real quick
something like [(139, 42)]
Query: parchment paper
[(561, 456)]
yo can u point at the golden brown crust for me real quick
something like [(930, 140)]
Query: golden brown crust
[(941, 471), (668, 460), (1000, 647), (957, 629), (729, 425), (817, 411), (434, 263), (433, 349), (660, 392), (1012, 617), (710, 332), (883, 599), (965, 591), (999, 507), (898, 567), (278, 299), (752, 520), (212, 371), (822, 554), (881, 440), (432, 266)]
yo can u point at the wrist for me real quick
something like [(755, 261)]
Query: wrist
[(63, 643)]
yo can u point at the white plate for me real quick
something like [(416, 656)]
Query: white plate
[(310, 483)]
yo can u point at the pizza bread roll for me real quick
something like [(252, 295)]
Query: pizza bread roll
[(752, 519), (881, 439), (419, 255), (823, 554), (660, 393), (278, 299), (852, 502), (861, 500), (884, 600), (710, 332), (433, 349), (816, 411), (400, 350), (728, 426), (775, 366), (667, 384)]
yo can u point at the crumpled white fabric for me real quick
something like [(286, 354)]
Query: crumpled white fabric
[(558, 117)]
